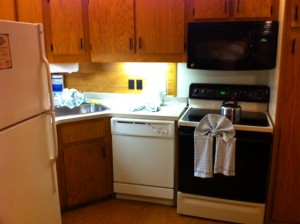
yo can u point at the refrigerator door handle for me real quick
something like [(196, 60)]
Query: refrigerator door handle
[(55, 151), (54, 155), (46, 63)]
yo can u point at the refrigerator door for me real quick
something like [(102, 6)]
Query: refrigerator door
[(28, 186), (24, 72)]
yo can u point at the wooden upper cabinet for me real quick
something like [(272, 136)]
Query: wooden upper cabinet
[(160, 26), (137, 30), (67, 36), (7, 10), (111, 26), (230, 9), (216, 9), (253, 9), (30, 11), (295, 13)]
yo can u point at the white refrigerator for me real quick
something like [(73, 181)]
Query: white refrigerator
[(28, 145)]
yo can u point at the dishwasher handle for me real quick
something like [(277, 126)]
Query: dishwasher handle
[(132, 122)]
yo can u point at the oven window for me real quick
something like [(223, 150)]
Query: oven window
[(253, 151)]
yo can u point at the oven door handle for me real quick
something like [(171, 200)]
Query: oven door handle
[(247, 140), (185, 134)]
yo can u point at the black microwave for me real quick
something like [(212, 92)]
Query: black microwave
[(236, 45)]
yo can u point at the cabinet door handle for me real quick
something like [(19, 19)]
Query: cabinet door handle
[(296, 13), (238, 6), (103, 152), (140, 43), (225, 8), (294, 46), (130, 43), (81, 44)]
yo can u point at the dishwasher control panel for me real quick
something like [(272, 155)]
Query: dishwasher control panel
[(143, 127)]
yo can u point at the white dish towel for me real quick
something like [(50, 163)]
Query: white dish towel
[(210, 126)]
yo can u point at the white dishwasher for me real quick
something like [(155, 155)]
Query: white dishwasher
[(143, 159)]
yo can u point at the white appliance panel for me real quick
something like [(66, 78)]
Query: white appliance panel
[(143, 160), (24, 87), (28, 186)]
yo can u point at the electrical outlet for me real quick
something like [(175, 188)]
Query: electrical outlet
[(139, 84), (130, 84)]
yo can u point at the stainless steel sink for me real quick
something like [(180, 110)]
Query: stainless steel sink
[(82, 109)]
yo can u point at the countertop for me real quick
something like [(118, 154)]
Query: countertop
[(120, 104)]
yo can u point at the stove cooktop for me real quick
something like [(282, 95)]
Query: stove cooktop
[(247, 118), (205, 98)]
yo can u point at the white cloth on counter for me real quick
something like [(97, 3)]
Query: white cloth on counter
[(149, 107), (71, 98), (220, 127)]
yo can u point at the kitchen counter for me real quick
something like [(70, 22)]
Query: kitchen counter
[(120, 104)]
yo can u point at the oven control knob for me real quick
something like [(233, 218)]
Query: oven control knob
[(204, 92), (196, 91), (251, 94), (260, 94)]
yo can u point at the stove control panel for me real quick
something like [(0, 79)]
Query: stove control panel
[(247, 93)]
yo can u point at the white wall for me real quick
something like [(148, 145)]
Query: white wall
[(187, 76), (273, 82)]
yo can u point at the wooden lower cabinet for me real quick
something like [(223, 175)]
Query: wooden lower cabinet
[(84, 166)]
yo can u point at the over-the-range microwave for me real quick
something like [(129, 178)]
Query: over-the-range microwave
[(234, 45)]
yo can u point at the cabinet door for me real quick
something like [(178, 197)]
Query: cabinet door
[(30, 11), (213, 9), (252, 9), (67, 30), (295, 13), (7, 10), (160, 26), (286, 205), (86, 173), (111, 26), (84, 165)]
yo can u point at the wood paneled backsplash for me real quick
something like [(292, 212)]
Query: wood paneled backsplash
[(113, 77)]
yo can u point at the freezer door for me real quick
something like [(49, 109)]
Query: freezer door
[(28, 182), (24, 76)]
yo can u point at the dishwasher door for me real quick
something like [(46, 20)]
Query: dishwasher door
[(143, 157)]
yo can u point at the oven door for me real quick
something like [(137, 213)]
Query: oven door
[(253, 151)]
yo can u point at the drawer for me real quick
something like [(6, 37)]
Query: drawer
[(83, 130)]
